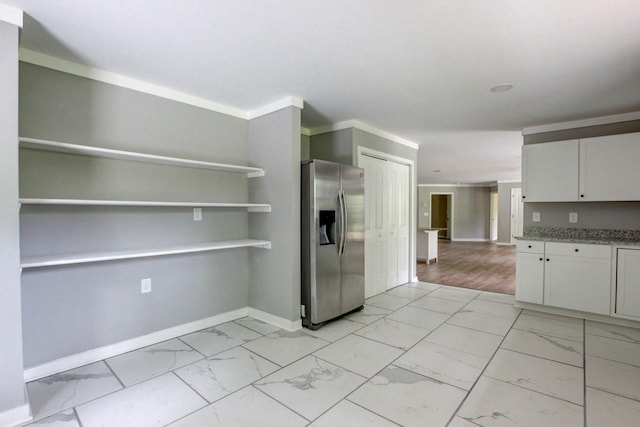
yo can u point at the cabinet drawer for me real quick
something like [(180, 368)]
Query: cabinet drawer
[(578, 249), (530, 246)]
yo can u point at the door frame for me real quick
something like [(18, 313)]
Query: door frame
[(451, 211), (413, 196), (493, 216), (515, 196)]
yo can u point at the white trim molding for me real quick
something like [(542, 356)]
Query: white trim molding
[(282, 323), (16, 416), (458, 185), (11, 15), (364, 127), (97, 354), (509, 181), (290, 101), (595, 121), (470, 240), (305, 131), (42, 60)]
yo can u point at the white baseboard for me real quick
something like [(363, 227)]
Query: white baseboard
[(504, 244), (289, 325), (16, 416), (470, 240), (97, 354)]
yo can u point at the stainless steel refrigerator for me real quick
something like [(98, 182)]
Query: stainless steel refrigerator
[(332, 241)]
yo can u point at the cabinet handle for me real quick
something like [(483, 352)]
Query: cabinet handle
[(582, 195), (529, 246), (540, 259), (547, 259), (577, 250), (524, 197)]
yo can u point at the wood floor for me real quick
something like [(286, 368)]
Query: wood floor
[(476, 265)]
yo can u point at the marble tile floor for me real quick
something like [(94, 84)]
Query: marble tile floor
[(419, 355)]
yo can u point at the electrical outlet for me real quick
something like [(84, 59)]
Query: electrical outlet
[(197, 214), (145, 286), (573, 216), (535, 217)]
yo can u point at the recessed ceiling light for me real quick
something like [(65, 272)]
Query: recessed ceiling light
[(502, 87)]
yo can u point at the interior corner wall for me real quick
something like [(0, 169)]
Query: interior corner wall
[(305, 149), (274, 145), (504, 210), (72, 309), (336, 146), (471, 209), (11, 359), (598, 215)]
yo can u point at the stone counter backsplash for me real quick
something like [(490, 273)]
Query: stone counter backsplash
[(583, 235)]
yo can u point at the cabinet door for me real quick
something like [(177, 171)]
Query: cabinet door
[(628, 283), (578, 283), (529, 277), (550, 172), (609, 168)]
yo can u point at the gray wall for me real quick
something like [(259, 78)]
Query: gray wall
[(305, 149), (470, 208), (11, 365), (504, 210), (274, 142), (603, 215), (333, 146), (77, 308)]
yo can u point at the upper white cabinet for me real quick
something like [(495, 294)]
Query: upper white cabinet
[(609, 168), (550, 171), (590, 169)]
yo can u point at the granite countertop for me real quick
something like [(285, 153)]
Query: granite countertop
[(583, 235)]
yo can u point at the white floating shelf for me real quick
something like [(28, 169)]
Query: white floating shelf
[(251, 207), (62, 147), (51, 261)]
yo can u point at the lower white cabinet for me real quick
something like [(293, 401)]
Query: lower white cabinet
[(572, 276), (529, 271), (628, 283)]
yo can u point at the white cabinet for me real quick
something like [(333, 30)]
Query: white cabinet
[(628, 283), (550, 171), (609, 168), (529, 271), (590, 169), (578, 277), (427, 248), (566, 275)]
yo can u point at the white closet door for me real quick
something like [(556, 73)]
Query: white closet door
[(392, 224), (402, 190), (374, 225)]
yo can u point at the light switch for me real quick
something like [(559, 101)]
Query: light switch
[(535, 217), (197, 214), (573, 216)]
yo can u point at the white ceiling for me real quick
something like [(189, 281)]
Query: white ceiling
[(419, 69)]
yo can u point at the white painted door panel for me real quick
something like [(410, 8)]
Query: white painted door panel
[(628, 283), (530, 277)]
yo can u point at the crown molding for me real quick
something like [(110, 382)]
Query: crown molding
[(47, 61), (290, 101), (364, 127), (481, 185), (11, 15), (595, 121)]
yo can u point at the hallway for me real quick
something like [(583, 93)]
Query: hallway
[(483, 266)]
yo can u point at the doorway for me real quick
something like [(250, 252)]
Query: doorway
[(493, 216), (442, 214), (517, 214)]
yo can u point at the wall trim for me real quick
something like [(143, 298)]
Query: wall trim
[(509, 181), (578, 314), (16, 416), (470, 240), (504, 244), (11, 15), (458, 185), (594, 121), (290, 101), (100, 353), (305, 131), (288, 325), (364, 127), (47, 61)]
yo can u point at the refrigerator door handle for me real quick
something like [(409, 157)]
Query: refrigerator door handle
[(345, 221), (342, 223)]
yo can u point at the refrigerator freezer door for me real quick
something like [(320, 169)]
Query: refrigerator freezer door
[(352, 259), (325, 293)]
